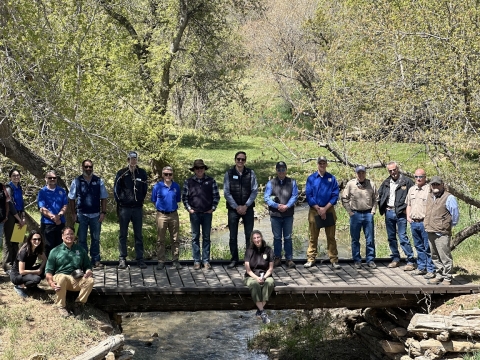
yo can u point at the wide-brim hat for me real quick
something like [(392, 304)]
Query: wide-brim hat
[(198, 163)]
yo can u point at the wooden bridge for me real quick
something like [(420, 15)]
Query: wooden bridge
[(134, 289)]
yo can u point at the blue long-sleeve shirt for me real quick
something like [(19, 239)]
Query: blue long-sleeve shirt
[(268, 193), (166, 198), (321, 190), (452, 207)]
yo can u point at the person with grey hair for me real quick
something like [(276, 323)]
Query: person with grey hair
[(130, 189), (166, 196), (52, 202)]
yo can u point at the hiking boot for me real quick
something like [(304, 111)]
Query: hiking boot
[(258, 313), (419, 272), (337, 266), (309, 264), (207, 266), (63, 312), (358, 265), (20, 291), (429, 275), (393, 264), (196, 266), (122, 264), (160, 265), (265, 318), (141, 264), (372, 265), (409, 267), (232, 265), (277, 262), (435, 281), (176, 265), (291, 264)]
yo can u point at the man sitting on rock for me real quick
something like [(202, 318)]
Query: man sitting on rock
[(69, 268)]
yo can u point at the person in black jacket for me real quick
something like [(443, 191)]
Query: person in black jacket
[(130, 190), (391, 200)]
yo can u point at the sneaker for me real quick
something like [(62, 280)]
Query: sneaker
[(409, 267), (97, 264), (372, 265), (358, 265), (336, 265), (435, 281), (207, 266), (196, 266), (63, 312), (309, 264), (141, 264), (419, 272), (277, 262), (177, 265), (161, 265), (265, 318), (291, 264), (258, 313), (231, 265), (447, 282), (20, 291), (122, 264), (429, 275), (393, 264)]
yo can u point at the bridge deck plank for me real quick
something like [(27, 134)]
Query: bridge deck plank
[(149, 277), (212, 278), (136, 277), (337, 276), (123, 276), (235, 276), (110, 277), (174, 278), (355, 275), (99, 277), (314, 276), (393, 274), (162, 278), (198, 277), (187, 277), (222, 275), (285, 277)]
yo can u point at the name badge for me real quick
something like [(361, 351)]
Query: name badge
[(235, 177)]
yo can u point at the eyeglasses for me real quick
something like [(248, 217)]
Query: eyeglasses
[(393, 170), (199, 167), (241, 159), (16, 175), (281, 170), (167, 174), (419, 176), (52, 178), (88, 167), (37, 239)]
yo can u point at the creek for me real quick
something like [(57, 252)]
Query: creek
[(213, 334)]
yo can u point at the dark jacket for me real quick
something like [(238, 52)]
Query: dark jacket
[(130, 191), (404, 184)]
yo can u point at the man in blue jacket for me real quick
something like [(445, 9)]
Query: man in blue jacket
[(130, 190)]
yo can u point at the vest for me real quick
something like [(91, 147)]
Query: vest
[(88, 195), (437, 218), (241, 187), (3, 203), (200, 194), (283, 193)]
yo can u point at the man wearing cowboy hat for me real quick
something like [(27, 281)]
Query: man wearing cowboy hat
[(201, 197)]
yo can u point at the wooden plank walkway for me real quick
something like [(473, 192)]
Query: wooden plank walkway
[(134, 289)]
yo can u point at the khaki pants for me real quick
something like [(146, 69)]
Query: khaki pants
[(170, 222), (312, 251), (67, 282)]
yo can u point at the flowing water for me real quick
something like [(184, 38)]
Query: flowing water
[(211, 334)]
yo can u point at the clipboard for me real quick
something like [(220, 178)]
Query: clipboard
[(18, 234), (329, 221)]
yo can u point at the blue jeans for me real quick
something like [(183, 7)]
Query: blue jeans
[(205, 221), (135, 215), (84, 222), (233, 219), (393, 224), (282, 225), (358, 221), (420, 240)]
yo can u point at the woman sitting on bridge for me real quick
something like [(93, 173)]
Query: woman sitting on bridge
[(258, 276), (25, 274)]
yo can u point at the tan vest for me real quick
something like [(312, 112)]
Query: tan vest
[(437, 218)]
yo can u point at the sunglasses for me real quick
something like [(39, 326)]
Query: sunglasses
[(88, 167), (37, 239), (167, 174), (281, 170), (419, 176), (52, 178), (199, 167), (241, 159)]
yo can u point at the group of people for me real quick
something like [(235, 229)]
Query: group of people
[(52, 253)]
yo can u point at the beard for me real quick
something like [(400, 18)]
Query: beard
[(87, 172)]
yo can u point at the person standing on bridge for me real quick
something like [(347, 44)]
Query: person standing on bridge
[(240, 189), (416, 206), (88, 205), (130, 189), (200, 197), (281, 193), (440, 216), (166, 196), (360, 201), (258, 273), (322, 193), (391, 200)]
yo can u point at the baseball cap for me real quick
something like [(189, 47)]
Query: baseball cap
[(281, 164), (360, 168), (321, 158), (132, 154), (436, 180)]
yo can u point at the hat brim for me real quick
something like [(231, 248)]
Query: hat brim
[(193, 168)]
